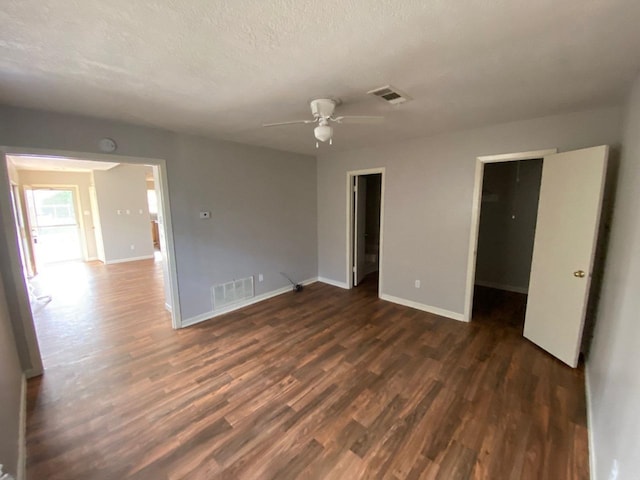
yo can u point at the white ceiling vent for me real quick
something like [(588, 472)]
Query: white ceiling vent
[(390, 95)]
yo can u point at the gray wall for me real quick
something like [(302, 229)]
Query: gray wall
[(508, 215), (123, 188), (612, 365), (80, 179), (10, 390), (429, 187), (263, 217), (263, 201)]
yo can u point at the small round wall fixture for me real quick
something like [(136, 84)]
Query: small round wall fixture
[(107, 145)]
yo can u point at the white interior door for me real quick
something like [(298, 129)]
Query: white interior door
[(565, 241), (360, 206)]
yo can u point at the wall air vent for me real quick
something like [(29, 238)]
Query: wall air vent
[(390, 95), (225, 294)]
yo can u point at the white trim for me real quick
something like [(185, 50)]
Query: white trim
[(425, 308), (349, 234), (130, 259), (258, 298), (335, 283), (502, 286), (475, 214), (167, 307), (22, 432), (593, 473), (92, 259), (169, 253), (509, 157)]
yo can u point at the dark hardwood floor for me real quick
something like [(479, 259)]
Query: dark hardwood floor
[(326, 383), (499, 308)]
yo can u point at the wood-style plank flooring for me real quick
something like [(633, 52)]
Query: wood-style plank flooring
[(322, 384)]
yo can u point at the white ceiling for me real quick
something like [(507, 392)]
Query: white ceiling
[(224, 67), (54, 164)]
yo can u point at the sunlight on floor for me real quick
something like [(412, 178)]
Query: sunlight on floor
[(66, 282), (75, 317)]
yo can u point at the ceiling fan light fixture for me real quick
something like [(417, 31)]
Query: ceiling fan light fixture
[(322, 110), (323, 132)]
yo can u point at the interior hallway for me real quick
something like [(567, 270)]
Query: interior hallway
[(326, 383)]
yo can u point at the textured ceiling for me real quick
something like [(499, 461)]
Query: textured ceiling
[(224, 67)]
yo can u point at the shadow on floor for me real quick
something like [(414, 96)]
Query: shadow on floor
[(493, 306)]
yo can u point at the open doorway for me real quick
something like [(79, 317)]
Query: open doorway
[(152, 203), (506, 233), (76, 217), (564, 247), (366, 202)]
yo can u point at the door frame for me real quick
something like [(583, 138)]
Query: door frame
[(25, 245), (16, 270), (349, 237), (476, 205)]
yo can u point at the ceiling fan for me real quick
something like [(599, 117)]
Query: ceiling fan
[(323, 110)]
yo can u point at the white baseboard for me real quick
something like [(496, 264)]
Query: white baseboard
[(258, 298), (92, 259), (130, 259), (500, 286), (22, 434), (425, 308), (592, 453), (168, 307), (335, 283)]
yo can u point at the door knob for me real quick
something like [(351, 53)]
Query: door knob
[(579, 273)]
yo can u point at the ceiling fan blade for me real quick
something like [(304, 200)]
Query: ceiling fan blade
[(364, 119), (293, 122)]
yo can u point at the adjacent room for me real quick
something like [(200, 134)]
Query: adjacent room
[(330, 240), (506, 235)]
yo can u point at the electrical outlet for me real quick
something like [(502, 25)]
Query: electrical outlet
[(260, 277), (417, 283), (133, 247)]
